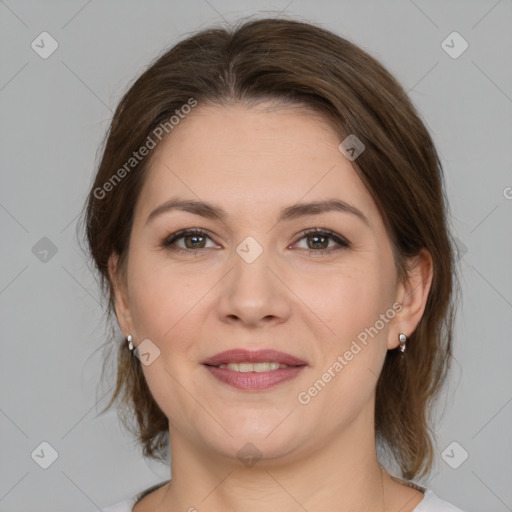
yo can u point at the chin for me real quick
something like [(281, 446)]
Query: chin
[(259, 443)]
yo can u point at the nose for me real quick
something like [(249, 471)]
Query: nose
[(254, 294)]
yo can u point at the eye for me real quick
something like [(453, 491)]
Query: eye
[(194, 240), (319, 238)]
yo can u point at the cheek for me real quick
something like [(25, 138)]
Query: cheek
[(359, 312), (356, 297), (344, 380), (165, 299), (165, 306)]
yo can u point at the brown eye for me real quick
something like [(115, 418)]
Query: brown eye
[(318, 241), (194, 239)]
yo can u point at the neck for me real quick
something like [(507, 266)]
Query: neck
[(341, 474)]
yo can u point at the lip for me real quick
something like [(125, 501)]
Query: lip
[(254, 381), (240, 355)]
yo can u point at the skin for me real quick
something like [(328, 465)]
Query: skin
[(253, 162)]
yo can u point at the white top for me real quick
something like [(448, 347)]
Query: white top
[(429, 503)]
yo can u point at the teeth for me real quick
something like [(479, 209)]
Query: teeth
[(254, 367)]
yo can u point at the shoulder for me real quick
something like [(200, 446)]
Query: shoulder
[(122, 506), (128, 504), (432, 503)]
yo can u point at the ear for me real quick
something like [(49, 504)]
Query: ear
[(412, 295), (122, 308)]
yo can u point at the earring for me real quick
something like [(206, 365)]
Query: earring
[(129, 343), (403, 342)]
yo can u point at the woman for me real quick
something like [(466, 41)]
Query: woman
[(269, 222)]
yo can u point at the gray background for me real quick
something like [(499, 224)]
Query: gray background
[(54, 114)]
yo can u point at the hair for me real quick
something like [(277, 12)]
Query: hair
[(293, 62)]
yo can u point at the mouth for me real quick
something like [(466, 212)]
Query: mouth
[(254, 370)]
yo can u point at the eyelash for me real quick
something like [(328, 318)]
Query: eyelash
[(342, 242)]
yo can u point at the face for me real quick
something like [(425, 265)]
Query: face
[(260, 271)]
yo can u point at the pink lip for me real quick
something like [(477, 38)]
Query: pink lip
[(253, 380), (240, 355)]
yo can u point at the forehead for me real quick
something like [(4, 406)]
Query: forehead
[(252, 160)]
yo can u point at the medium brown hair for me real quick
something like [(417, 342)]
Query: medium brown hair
[(296, 63)]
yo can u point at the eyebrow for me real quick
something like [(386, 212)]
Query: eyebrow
[(292, 212)]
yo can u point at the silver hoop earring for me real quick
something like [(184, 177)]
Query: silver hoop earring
[(403, 342), (129, 343)]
